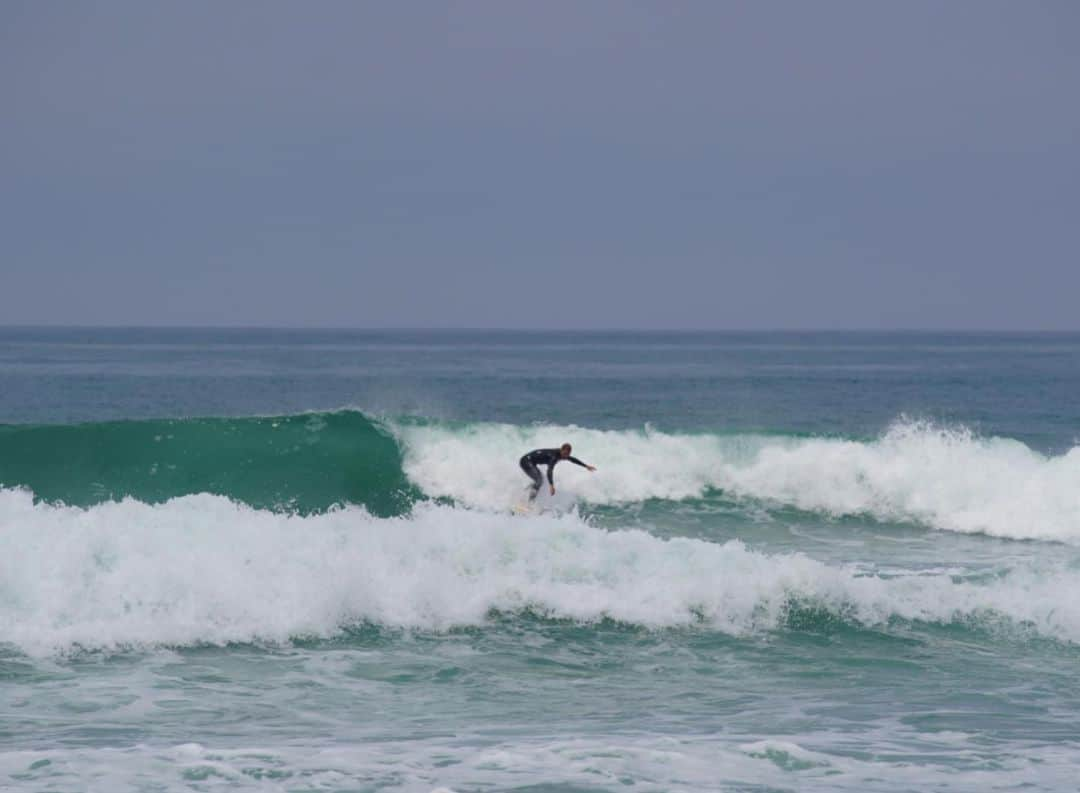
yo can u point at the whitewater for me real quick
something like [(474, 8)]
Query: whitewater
[(943, 477), (203, 569), (287, 560)]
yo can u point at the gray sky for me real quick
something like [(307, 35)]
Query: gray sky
[(552, 164)]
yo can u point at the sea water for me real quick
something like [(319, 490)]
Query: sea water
[(287, 560)]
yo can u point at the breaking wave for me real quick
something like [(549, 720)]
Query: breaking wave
[(204, 569), (946, 478), (940, 477)]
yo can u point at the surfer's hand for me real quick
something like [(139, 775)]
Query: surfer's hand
[(591, 467), (553, 490)]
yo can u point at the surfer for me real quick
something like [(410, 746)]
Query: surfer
[(547, 457)]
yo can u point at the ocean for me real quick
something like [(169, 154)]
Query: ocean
[(285, 560)]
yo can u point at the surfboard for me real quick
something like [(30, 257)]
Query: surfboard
[(523, 509)]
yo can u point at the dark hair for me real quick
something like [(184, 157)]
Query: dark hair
[(565, 447)]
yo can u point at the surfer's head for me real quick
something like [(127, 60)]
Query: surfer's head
[(564, 450)]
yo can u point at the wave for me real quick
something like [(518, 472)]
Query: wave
[(303, 463), (204, 569), (947, 478), (941, 477)]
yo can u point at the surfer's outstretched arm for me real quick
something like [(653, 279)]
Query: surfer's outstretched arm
[(576, 461)]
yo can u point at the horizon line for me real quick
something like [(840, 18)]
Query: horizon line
[(503, 329)]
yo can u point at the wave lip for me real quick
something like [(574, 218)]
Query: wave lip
[(946, 478), (203, 569)]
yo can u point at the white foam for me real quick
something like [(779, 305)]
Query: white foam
[(946, 478), (202, 569), (477, 465), (680, 762)]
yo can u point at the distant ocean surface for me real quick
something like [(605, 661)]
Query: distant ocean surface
[(286, 560)]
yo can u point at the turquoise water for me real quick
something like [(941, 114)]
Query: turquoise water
[(286, 560)]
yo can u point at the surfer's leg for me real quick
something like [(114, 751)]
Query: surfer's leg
[(533, 473)]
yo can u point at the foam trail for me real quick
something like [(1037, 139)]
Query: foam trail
[(678, 762), (202, 569), (945, 478)]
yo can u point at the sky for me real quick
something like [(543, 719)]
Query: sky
[(788, 165)]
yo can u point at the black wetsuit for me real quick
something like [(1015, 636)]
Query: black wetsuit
[(546, 457)]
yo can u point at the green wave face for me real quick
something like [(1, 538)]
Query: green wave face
[(305, 463)]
